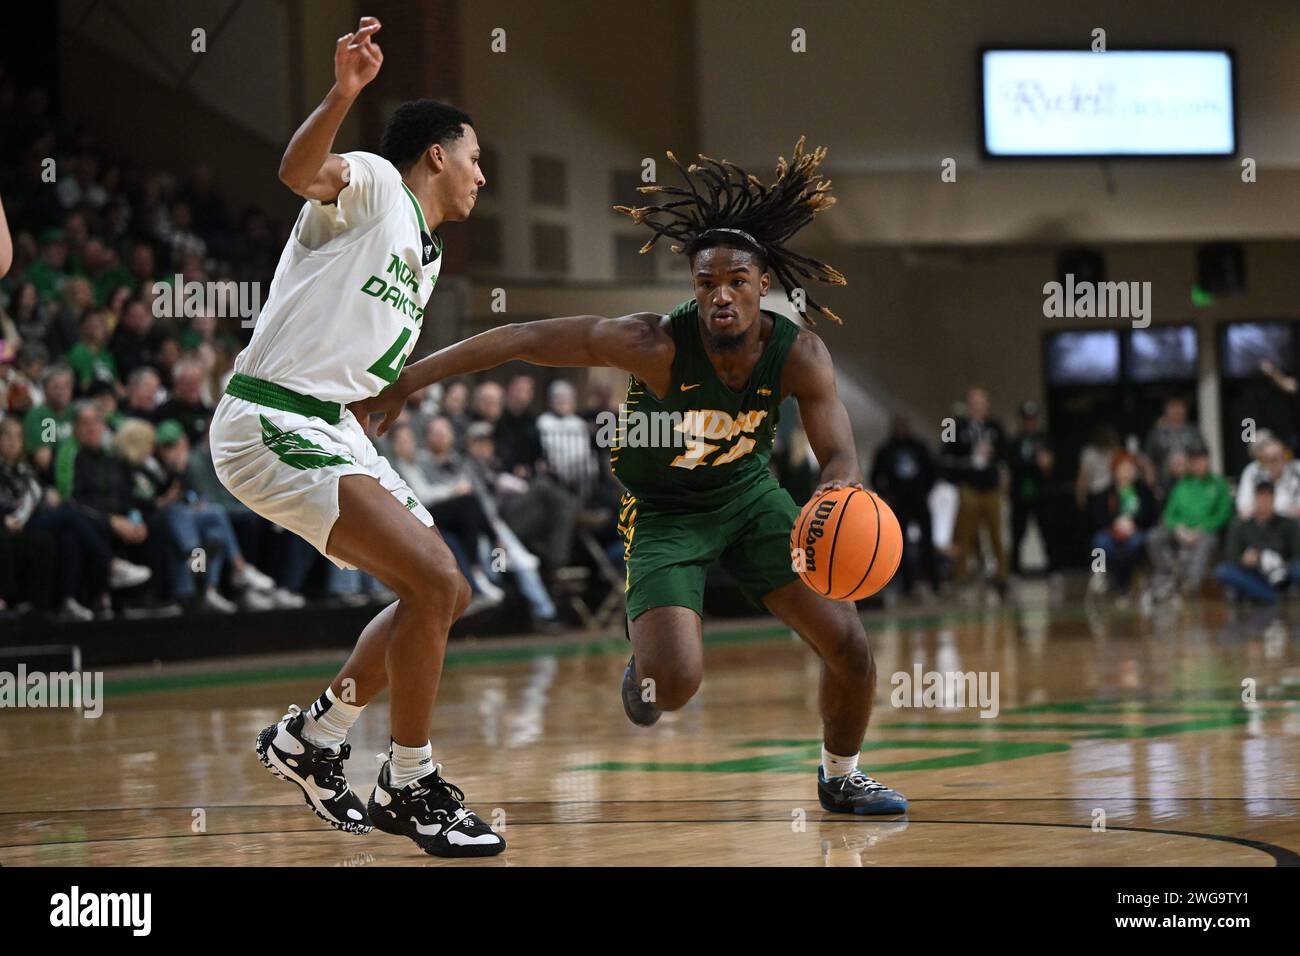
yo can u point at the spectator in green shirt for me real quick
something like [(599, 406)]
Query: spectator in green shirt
[(102, 268), (48, 424), (49, 272), (104, 395), (1200, 505), (90, 357)]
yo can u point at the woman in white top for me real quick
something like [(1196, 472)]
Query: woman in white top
[(1271, 464), (1094, 476)]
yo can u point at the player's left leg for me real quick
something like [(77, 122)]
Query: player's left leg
[(757, 526), (848, 680), (848, 687)]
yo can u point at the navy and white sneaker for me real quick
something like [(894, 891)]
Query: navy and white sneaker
[(640, 711), (317, 770), (857, 793), (431, 812)]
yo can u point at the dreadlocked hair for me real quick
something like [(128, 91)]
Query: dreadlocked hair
[(722, 204)]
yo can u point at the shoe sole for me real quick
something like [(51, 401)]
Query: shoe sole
[(446, 851), (272, 763), (864, 811)]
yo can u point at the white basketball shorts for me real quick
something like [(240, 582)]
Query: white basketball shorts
[(286, 466)]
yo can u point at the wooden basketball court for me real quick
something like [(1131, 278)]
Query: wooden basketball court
[(1119, 740)]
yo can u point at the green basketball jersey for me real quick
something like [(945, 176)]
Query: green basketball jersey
[(703, 442)]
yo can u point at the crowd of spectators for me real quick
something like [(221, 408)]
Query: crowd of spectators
[(1153, 503), (109, 499), (111, 506), (512, 490)]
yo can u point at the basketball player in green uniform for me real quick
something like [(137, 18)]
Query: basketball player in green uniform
[(718, 366)]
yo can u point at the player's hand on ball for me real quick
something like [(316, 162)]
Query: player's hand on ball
[(826, 486), (357, 58)]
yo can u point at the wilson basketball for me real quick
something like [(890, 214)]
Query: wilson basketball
[(851, 544)]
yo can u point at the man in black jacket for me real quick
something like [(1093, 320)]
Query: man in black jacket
[(1034, 492), (102, 485), (1262, 552), (975, 460), (903, 473)]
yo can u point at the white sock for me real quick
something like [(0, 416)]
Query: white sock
[(409, 764), (329, 719), (833, 766)]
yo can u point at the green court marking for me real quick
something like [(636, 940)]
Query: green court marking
[(460, 654), (1101, 731), (1208, 708), (456, 657), (1201, 700), (803, 756)]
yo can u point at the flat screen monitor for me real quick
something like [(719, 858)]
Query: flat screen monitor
[(1246, 344), (1083, 358), (1122, 103), (1162, 353)]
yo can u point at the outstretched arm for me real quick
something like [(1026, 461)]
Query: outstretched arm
[(1279, 378), (308, 166), (810, 378), (634, 343), (6, 244)]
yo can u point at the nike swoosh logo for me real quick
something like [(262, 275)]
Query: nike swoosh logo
[(687, 388)]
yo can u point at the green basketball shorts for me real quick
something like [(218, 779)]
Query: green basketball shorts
[(668, 553)]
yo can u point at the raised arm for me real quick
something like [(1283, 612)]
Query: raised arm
[(6, 244), (308, 166), (810, 377), (635, 343)]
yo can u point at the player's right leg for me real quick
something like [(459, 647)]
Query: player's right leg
[(375, 533), (294, 461), (667, 662), (666, 556)]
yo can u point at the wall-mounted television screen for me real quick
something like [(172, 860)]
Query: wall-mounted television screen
[(1083, 358), (1162, 353), (1246, 344), (1122, 103)]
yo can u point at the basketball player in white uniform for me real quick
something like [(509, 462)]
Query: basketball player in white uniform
[(342, 315)]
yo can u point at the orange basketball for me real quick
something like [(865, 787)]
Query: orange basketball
[(851, 544)]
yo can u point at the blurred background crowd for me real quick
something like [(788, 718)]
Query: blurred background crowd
[(996, 501), (111, 507)]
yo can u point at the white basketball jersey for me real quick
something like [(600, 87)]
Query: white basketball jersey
[(346, 305)]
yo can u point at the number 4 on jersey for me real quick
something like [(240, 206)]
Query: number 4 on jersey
[(389, 365)]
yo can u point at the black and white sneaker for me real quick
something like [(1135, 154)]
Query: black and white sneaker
[(857, 793), (317, 770), (431, 812)]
